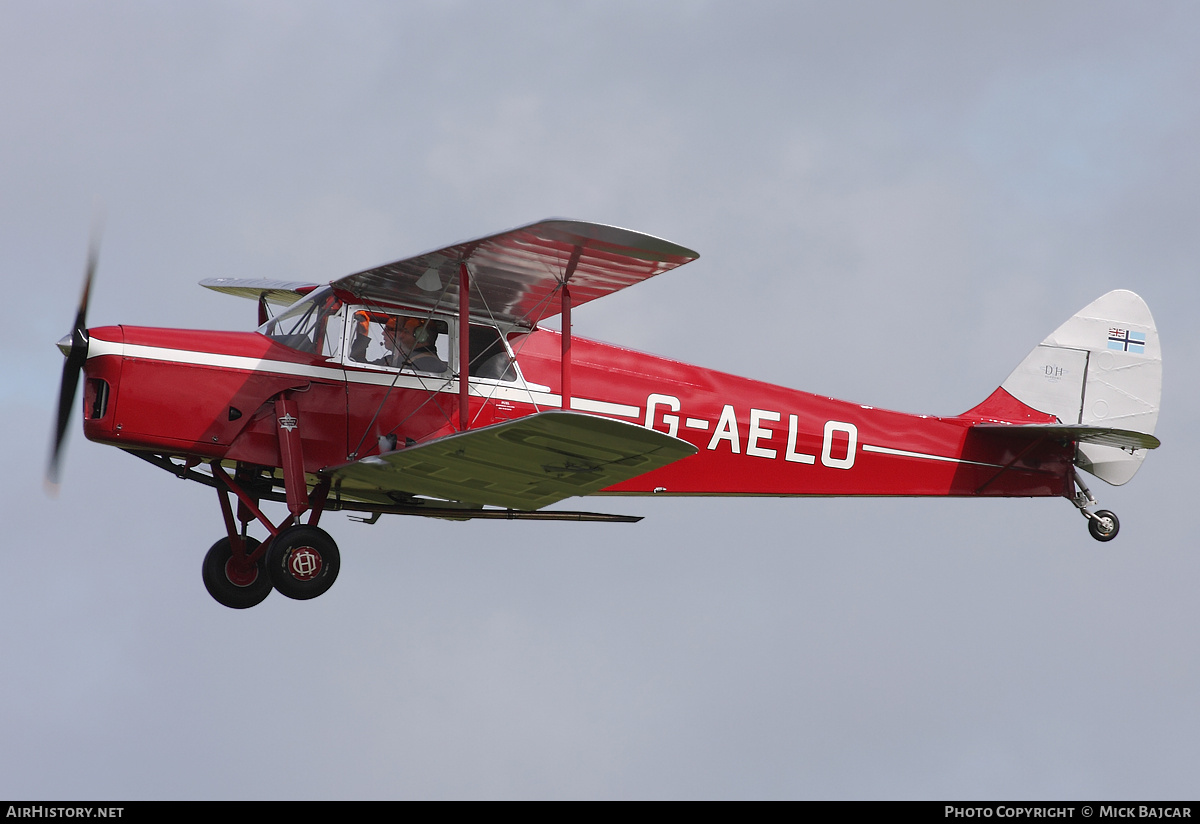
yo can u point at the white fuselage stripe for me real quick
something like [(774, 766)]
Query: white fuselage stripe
[(904, 453), (478, 387), (486, 388)]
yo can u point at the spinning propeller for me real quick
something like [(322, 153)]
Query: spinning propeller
[(75, 347)]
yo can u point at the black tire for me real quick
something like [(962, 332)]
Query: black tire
[(303, 562), (1096, 525), (226, 586)]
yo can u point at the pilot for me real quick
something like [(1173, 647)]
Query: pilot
[(419, 339), (411, 342)]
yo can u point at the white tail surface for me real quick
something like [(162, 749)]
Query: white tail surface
[(1103, 367)]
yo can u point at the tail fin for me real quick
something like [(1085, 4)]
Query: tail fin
[(1101, 369)]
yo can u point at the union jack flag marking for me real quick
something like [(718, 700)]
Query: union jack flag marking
[(1125, 341)]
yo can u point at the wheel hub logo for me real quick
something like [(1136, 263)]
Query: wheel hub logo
[(305, 563)]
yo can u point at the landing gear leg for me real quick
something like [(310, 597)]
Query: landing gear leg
[(1102, 524), (299, 560), (235, 569)]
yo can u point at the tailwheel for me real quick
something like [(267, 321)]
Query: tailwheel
[(1103, 525), (303, 562), (233, 581)]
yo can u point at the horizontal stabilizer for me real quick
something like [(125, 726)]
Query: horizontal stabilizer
[(1105, 436), (526, 463)]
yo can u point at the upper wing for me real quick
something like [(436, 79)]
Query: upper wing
[(515, 274), (285, 292), (526, 463)]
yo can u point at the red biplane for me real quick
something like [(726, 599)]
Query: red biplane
[(427, 387)]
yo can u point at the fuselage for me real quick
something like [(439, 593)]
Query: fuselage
[(206, 396)]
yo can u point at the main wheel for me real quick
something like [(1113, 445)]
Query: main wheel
[(303, 562), (1104, 525), (233, 582)]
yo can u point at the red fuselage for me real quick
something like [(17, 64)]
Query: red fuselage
[(209, 395)]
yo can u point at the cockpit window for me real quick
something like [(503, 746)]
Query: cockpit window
[(409, 342), (489, 355), (312, 324)]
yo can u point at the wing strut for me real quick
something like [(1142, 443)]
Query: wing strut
[(464, 351), (464, 347), (565, 361)]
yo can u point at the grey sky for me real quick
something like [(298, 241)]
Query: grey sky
[(893, 203)]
